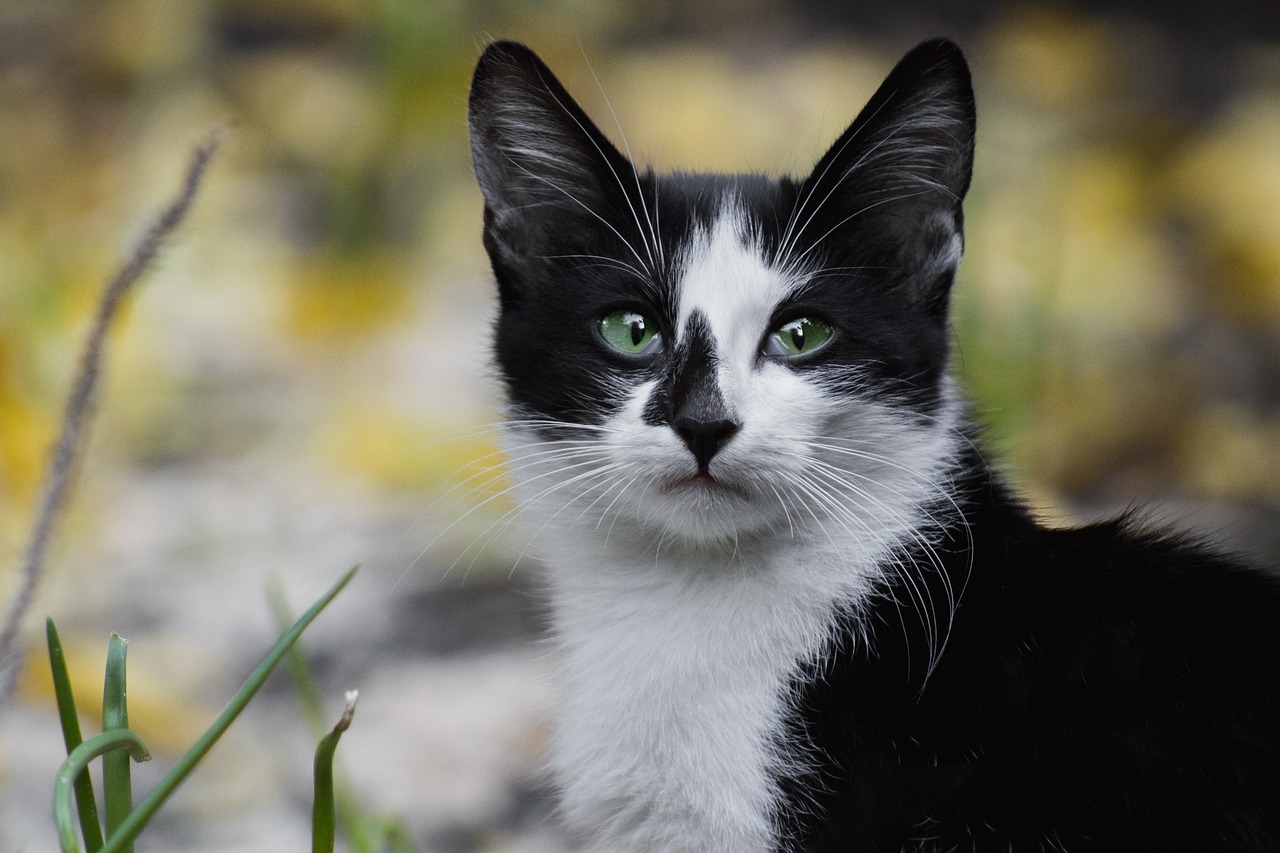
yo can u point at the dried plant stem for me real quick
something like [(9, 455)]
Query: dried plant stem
[(57, 477)]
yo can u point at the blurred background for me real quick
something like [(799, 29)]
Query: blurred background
[(303, 383)]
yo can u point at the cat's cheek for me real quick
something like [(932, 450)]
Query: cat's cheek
[(653, 452), (779, 403)]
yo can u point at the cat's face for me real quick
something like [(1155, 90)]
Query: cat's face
[(707, 358)]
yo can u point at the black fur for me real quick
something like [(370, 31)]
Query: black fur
[(1101, 689), (1107, 688)]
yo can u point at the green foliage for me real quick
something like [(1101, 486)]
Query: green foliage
[(117, 779), (109, 743), (118, 744), (336, 805), (323, 822), (86, 803)]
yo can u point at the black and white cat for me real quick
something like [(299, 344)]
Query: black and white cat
[(797, 610)]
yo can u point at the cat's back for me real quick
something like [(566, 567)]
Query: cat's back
[(1102, 688)]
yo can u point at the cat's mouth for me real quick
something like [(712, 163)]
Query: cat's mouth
[(702, 481)]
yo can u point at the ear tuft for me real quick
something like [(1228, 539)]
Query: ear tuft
[(537, 155), (917, 127), (895, 179)]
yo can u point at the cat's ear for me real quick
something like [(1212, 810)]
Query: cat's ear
[(543, 166), (893, 183)]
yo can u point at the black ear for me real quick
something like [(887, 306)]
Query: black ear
[(893, 183), (545, 170)]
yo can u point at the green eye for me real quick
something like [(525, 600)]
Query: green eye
[(629, 332), (798, 337)]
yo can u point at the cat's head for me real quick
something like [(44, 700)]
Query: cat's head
[(706, 356)]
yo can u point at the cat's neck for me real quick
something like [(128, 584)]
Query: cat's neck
[(674, 687), (677, 662)]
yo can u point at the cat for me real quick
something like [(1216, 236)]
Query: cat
[(795, 607)]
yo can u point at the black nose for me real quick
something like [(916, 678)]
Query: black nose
[(705, 438)]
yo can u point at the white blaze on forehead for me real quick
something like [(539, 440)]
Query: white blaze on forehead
[(727, 279)]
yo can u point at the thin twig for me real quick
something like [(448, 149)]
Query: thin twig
[(57, 477)]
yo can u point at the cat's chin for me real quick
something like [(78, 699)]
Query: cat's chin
[(705, 510)]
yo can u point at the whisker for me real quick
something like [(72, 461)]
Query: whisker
[(580, 454), (649, 245), (873, 205), (792, 235), (651, 219), (603, 261), (598, 476), (588, 208)]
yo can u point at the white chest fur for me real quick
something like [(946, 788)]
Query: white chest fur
[(675, 676)]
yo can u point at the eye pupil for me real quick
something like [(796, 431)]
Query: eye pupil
[(798, 337), (629, 332)]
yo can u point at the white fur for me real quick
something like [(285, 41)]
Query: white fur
[(682, 608)]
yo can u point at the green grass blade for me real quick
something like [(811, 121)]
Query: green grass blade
[(86, 803), (304, 682), (107, 743), (117, 779), (352, 820), (322, 810), (134, 824)]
